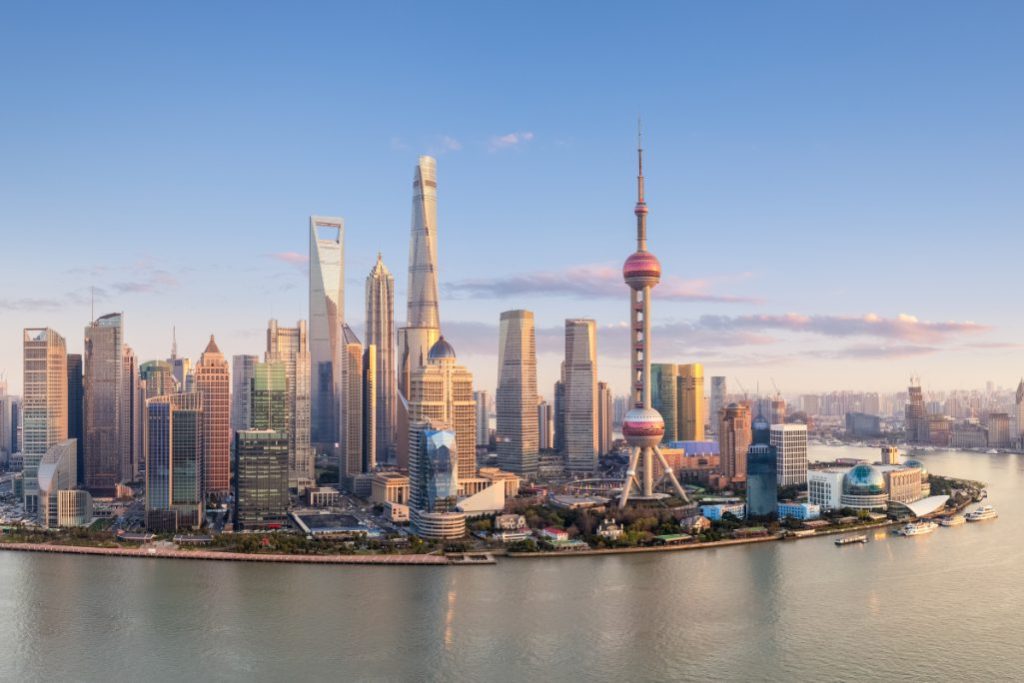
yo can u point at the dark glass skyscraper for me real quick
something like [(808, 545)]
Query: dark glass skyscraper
[(762, 471), (261, 477), (76, 392)]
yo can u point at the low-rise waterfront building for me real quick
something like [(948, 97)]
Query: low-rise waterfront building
[(799, 511), (389, 487), (717, 511)]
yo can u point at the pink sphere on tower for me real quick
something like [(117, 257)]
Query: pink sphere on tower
[(643, 427), (642, 269)]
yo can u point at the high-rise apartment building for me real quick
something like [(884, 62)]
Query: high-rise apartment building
[(719, 389), (174, 462), (483, 426), (665, 387), (326, 316), (104, 403), (604, 418), (734, 437), (44, 404), (579, 373), (442, 392), (790, 440), (380, 334), (691, 417), (290, 345), (261, 478), (516, 395), (76, 413), (213, 382), (423, 320), (242, 369)]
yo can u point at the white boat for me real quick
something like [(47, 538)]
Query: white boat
[(847, 540), (981, 513), (918, 528), (955, 520)]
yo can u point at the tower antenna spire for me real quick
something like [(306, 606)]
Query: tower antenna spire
[(641, 205), (174, 342)]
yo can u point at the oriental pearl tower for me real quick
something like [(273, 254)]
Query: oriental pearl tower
[(643, 427)]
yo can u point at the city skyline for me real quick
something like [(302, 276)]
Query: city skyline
[(817, 243)]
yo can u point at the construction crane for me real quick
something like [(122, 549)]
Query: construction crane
[(742, 388)]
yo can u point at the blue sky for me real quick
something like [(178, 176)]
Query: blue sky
[(815, 172)]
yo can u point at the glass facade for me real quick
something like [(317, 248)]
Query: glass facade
[(174, 461), (261, 477)]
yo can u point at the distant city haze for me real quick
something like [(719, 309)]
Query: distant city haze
[(834, 189)]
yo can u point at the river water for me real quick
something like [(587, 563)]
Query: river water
[(949, 605)]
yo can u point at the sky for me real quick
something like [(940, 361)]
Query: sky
[(834, 188)]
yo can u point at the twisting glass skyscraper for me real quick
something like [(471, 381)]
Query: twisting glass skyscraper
[(326, 315)]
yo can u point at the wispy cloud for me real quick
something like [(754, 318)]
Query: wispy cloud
[(29, 304), (292, 258), (904, 327), (509, 140), (586, 281), (450, 144)]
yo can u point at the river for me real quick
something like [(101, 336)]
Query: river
[(949, 605)]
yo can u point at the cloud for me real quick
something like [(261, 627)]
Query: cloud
[(153, 282), (450, 144), (292, 258), (586, 281), (875, 352), (904, 327), (509, 140), (29, 304)]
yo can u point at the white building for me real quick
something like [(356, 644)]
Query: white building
[(791, 442), (824, 487), (326, 315)]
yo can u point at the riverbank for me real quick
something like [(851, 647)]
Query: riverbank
[(647, 549), (166, 553)]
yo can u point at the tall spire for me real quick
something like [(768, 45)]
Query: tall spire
[(641, 205), (174, 342)]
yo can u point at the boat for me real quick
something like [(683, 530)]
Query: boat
[(981, 513), (992, 451), (847, 540), (918, 528), (954, 520)]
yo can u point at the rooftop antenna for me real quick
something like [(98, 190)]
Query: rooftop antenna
[(174, 342), (92, 303)]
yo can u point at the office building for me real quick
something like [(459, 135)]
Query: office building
[(719, 390), (825, 488), (483, 415), (791, 442), (442, 392), (423, 320), (158, 377), (516, 395), (665, 385), (862, 425), (269, 391), (734, 438), (357, 419), (261, 478), (57, 472), (76, 413), (326, 316), (999, 430), (604, 419), (181, 367), (579, 374), (778, 410), (290, 345), (890, 455), (762, 471), (132, 425), (559, 417), (380, 334), (434, 466), (174, 462), (242, 369), (44, 404), (213, 382), (545, 425), (691, 417), (104, 403)]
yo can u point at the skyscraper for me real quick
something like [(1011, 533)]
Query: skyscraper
[(181, 368), (665, 387), (604, 418), (434, 474), (76, 413), (791, 442), (778, 410), (104, 403), (290, 345), (762, 475), (916, 415), (516, 395), (442, 392), (326, 315), (559, 418), (174, 462), (213, 381), (380, 333), (131, 439), (691, 417), (242, 369), (352, 454), (734, 438), (545, 425), (158, 377), (261, 477), (719, 390), (643, 427), (579, 373), (270, 409), (423, 320), (483, 427), (44, 404)]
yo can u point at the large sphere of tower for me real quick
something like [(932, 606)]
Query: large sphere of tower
[(642, 269), (643, 427)]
